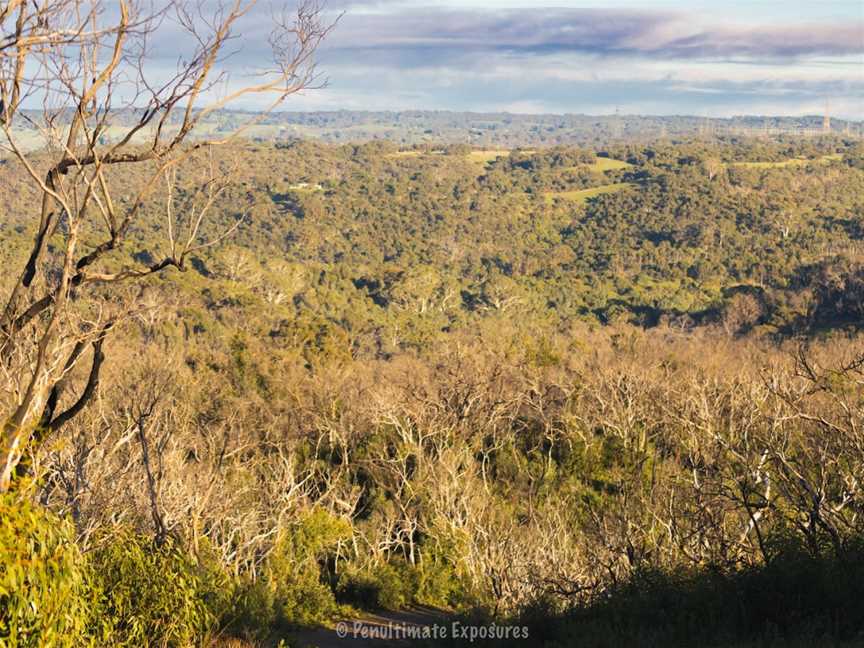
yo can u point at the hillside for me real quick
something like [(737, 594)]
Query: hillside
[(349, 378), (524, 386), (481, 130), (368, 250)]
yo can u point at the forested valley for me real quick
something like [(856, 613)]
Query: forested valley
[(613, 395)]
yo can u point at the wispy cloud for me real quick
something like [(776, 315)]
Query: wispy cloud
[(595, 31), (392, 54)]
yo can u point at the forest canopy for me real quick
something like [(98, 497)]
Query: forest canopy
[(552, 385)]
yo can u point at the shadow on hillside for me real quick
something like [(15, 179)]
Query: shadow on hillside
[(384, 629), (796, 600)]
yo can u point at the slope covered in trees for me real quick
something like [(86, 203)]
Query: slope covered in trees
[(365, 251), (443, 377)]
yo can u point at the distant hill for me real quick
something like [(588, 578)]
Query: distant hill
[(400, 247), (496, 129)]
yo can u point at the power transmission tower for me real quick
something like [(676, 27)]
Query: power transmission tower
[(617, 130), (826, 120)]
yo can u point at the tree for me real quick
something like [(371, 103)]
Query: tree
[(714, 167), (102, 108)]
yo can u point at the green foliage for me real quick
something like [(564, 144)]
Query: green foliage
[(439, 584), (387, 586), (151, 595), (399, 250), (126, 592), (297, 568), (795, 598), (393, 585), (43, 579), (252, 613)]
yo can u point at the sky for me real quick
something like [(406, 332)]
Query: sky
[(715, 59)]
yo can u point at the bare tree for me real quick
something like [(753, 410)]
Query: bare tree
[(102, 107)]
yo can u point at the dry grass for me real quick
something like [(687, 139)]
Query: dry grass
[(485, 157), (608, 164), (786, 163), (404, 154), (582, 195), (306, 188)]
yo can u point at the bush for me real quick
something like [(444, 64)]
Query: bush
[(435, 582), (296, 569), (151, 595), (388, 586), (441, 582), (252, 614), (43, 579), (796, 598)]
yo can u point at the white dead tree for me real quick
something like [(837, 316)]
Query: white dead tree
[(80, 74)]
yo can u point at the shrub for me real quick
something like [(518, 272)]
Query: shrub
[(150, 595), (796, 598), (441, 580), (386, 585), (360, 588), (252, 614), (440, 585), (296, 568), (43, 579)]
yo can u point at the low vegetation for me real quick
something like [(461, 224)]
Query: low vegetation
[(612, 393), (623, 418), (797, 161), (581, 195)]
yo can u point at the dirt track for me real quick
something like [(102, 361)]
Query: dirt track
[(373, 631)]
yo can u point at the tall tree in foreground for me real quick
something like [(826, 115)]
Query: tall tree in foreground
[(79, 76)]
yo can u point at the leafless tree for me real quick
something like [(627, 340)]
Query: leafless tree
[(78, 75)]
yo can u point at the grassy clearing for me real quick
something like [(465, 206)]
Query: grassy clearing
[(583, 195), (486, 157), (403, 154), (608, 164), (601, 165), (305, 187), (786, 163)]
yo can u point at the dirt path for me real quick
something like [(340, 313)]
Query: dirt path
[(373, 631)]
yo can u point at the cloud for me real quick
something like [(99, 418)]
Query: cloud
[(542, 85), (595, 31), (390, 54), (387, 31)]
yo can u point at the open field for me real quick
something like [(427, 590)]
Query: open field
[(404, 154), (604, 164), (582, 195), (485, 157), (305, 187), (798, 161)]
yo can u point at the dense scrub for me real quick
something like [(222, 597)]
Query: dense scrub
[(797, 599), (425, 383), (614, 478), (361, 251)]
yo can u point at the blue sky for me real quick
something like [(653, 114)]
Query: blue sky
[(718, 58)]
